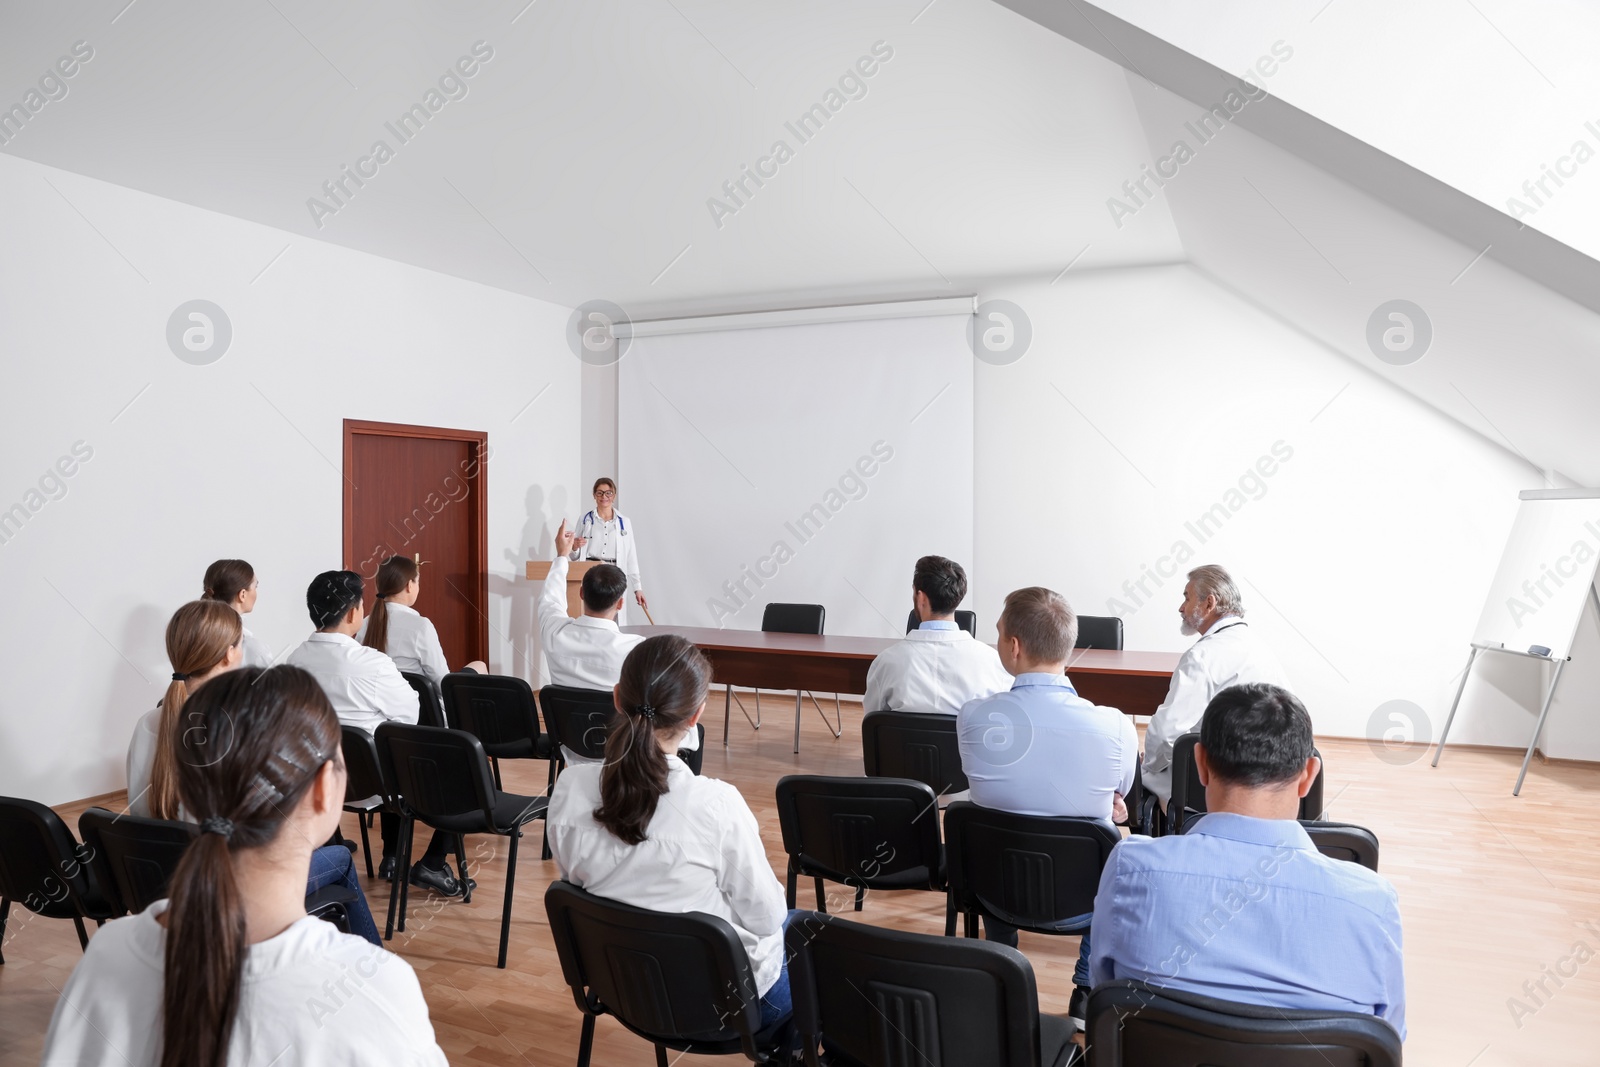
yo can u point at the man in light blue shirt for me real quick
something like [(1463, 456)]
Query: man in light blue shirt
[(1040, 748), (1242, 906)]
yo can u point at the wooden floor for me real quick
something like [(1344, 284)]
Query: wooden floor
[(1493, 890)]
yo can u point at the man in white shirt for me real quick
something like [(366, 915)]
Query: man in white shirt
[(937, 667), (1228, 653), (587, 652), (366, 689)]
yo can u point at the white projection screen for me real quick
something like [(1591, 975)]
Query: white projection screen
[(808, 464)]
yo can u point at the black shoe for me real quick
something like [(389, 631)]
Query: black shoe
[(1078, 1007), (439, 879), (349, 844), (386, 869)]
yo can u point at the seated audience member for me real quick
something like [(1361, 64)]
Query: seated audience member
[(1040, 748), (1228, 653), (203, 642), (642, 830), (1242, 906), (587, 652), (233, 581), (365, 688), (398, 630), (937, 667), (229, 968)]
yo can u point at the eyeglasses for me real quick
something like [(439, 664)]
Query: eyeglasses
[(605, 494)]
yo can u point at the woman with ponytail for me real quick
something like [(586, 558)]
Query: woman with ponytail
[(642, 829), (230, 969), (203, 640), (233, 582), (398, 630)]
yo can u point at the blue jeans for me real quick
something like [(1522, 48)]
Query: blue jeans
[(334, 865), (1006, 934), (776, 1003)]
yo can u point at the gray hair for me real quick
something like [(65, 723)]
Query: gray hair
[(1213, 580)]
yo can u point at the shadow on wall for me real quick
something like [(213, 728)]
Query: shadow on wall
[(536, 542)]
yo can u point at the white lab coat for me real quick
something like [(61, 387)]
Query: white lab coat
[(254, 652), (1229, 653), (934, 671), (611, 541), (363, 685), (413, 642)]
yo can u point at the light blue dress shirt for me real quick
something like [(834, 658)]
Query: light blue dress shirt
[(939, 624), (1248, 910), (1041, 749)]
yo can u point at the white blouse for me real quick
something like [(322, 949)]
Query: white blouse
[(310, 996), (254, 652), (413, 642), (702, 852), (141, 761)]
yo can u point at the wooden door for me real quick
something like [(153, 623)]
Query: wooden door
[(420, 490)]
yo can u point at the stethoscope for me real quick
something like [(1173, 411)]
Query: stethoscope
[(589, 520), (1230, 626)]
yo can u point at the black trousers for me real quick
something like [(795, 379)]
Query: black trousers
[(438, 848)]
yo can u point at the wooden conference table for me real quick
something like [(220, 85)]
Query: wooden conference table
[(1135, 682)]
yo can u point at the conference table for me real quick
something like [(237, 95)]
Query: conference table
[(1135, 682)]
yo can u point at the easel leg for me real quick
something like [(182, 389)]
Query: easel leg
[(1539, 729), (1454, 704)]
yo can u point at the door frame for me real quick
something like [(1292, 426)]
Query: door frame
[(479, 438)]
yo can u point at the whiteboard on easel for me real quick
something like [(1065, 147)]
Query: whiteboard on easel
[(1545, 573)]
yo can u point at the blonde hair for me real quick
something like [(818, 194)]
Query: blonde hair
[(198, 639), (1042, 622)]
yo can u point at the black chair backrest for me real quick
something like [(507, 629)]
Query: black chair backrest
[(498, 709), (1344, 841), (136, 857), (1027, 870), (1189, 796), (1131, 1024), (911, 744), (1100, 631), (42, 866), (861, 831), (578, 718), (430, 702), (888, 997), (967, 620), (793, 618), (670, 977), (363, 769), (437, 773)]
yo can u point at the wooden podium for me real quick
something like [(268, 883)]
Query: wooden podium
[(539, 570)]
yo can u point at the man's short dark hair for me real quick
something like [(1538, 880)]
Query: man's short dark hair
[(603, 586), (1256, 735), (943, 581), (332, 594), (1042, 622)]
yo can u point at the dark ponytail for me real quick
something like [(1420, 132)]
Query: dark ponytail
[(257, 741), (394, 574), (226, 579), (664, 682)]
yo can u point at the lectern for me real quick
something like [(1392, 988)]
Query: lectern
[(539, 570)]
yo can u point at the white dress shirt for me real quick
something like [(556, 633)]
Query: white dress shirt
[(1227, 654), (937, 667), (142, 761), (254, 651), (413, 642), (586, 652), (309, 996), (611, 540), (702, 852), (363, 685)]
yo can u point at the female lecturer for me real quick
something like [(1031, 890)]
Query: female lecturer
[(605, 535)]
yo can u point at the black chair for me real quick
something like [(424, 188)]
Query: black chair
[(884, 998), (788, 619), (922, 746), (45, 869), (581, 719), (134, 857), (1344, 841), (430, 702), (442, 780), (1100, 631), (332, 904), (1189, 796), (869, 833), (967, 620), (1131, 1024), (365, 791), (680, 981), (500, 711), (1033, 872)]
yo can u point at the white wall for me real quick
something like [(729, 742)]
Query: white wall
[(1363, 558), (238, 458)]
